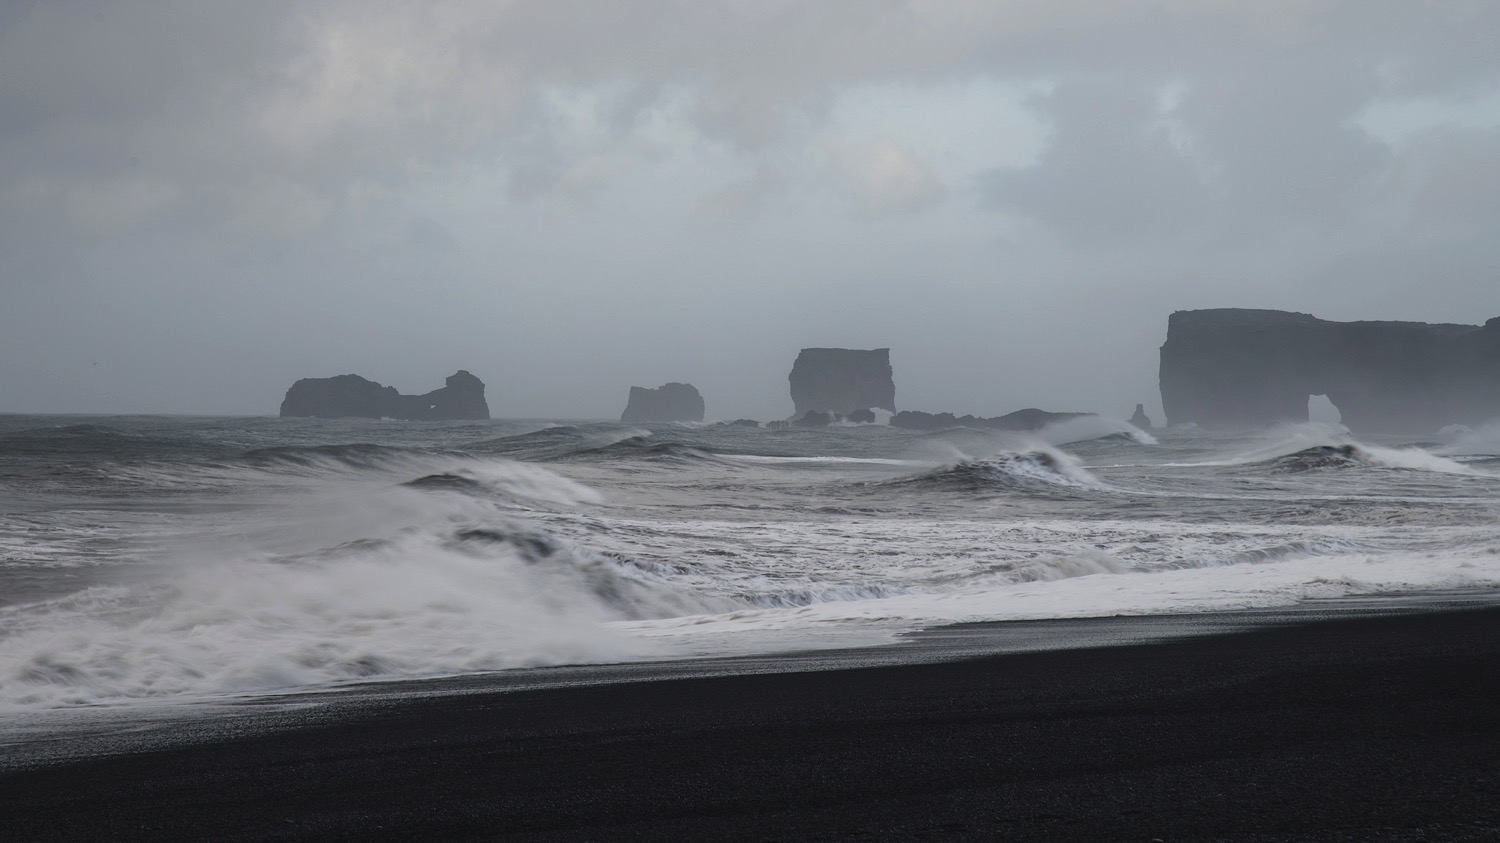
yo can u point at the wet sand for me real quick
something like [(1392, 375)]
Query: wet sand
[(1371, 728)]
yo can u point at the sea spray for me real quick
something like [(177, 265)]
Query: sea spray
[(420, 604), (1084, 428)]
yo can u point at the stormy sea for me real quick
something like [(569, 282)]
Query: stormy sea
[(156, 570)]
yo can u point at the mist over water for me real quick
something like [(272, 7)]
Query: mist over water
[(154, 559)]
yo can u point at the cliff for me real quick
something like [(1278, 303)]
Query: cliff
[(1242, 368), (667, 403), (842, 380), (345, 396)]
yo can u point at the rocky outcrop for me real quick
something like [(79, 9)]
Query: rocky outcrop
[(351, 396), (1244, 368), (671, 402), (1027, 419), (1140, 419), (842, 380)]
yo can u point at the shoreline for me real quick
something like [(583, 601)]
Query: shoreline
[(42, 736), (1381, 723)]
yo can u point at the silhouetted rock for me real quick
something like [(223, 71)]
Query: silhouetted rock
[(1140, 419), (864, 415), (1237, 368), (740, 423), (351, 396), (670, 402), (1022, 420), (814, 418), (842, 380)]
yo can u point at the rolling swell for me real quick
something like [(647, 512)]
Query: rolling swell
[(357, 456), (447, 482), (1319, 457), (640, 448), (103, 442), (549, 441)]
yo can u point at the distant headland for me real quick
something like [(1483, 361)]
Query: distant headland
[(1234, 368)]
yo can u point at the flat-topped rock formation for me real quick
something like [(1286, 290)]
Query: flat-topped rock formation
[(671, 402), (1027, 419), (351, 396), (842, 380), (1234, 368)]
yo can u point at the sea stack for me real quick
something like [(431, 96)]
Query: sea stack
[(1246, 368), (1140, 419), (670, 402), (351, 396), (842, 380)]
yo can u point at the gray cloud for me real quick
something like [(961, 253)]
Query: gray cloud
[(570, 197)]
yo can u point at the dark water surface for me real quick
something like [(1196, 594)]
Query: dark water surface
[(172, 559)]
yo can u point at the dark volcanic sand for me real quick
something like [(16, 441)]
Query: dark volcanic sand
[(1382, 728)]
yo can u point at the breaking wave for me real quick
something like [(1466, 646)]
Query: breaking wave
[(421, 602), (1351, 455), (1320, 456), (1038, 470), (1314, 446)]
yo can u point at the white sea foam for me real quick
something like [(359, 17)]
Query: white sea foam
[(350, 580), (421, 602), (1413, 458), (1087, 585), (411, 608)]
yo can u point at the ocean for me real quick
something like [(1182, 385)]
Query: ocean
[(147, 560)]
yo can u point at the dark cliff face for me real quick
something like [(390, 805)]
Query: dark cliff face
[(345, 396), (1246, 368), (842, 380), (667, 403)]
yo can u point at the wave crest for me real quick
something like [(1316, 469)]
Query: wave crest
[(483, 597), (1038, 470)]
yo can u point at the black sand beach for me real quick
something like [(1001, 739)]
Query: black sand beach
[(1374, 728)]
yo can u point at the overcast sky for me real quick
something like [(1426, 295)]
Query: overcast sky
[(202, 202)]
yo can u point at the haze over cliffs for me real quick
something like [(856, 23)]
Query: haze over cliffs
[(842, 380), (346, 396), (1233, 368)]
